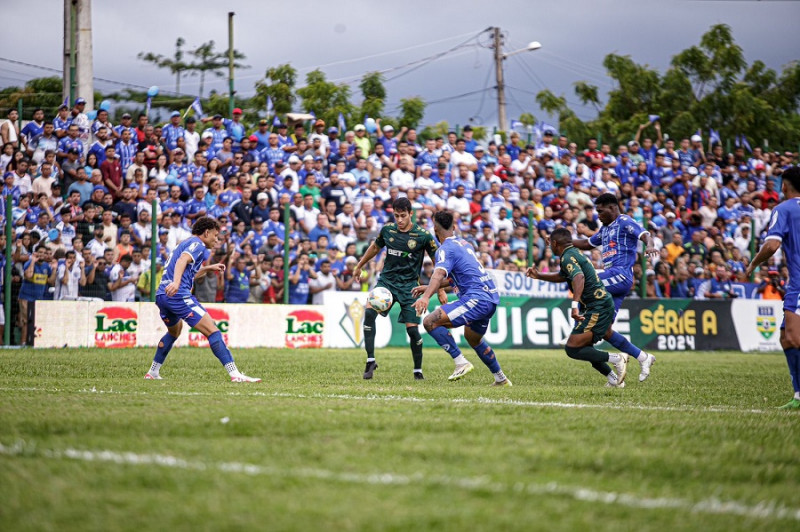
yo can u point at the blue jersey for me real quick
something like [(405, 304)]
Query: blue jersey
[(620, 241), (783, 226), (195, 248), (457, 258), (171, 134), (31, 129)]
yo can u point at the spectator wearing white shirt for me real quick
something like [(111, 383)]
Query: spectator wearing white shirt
[(191, 138), (121, 283), (458, 202), (402, 178), (70, 276), (325, 282)]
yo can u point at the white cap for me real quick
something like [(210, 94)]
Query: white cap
[(359, 127), (697, 138), (262, 196), (426, 166), (294, 159), (388, 128), (692, 170), (308, 158)]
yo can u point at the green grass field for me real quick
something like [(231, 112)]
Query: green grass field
[(88, 444)]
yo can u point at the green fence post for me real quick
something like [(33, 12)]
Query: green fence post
[(7, 272), (153, 251), (286, 218), (19, 121), (530, 237)]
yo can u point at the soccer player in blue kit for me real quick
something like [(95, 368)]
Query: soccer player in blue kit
[(477, 300), (619, 237), (784, 231), (176, 303)]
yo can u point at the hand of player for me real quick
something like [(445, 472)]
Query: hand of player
[(357, 272), (421, 305), (442, 296), (651, 252), (419, 290), (577, 315), (171, 289), (750, 270), (217, 267), (532, 272)]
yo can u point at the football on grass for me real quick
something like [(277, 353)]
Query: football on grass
[(380, 299)]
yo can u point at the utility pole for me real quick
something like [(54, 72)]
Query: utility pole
[(501, 88), (231, 104), (78, 62)]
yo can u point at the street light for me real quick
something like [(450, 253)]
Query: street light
[(499, 56)]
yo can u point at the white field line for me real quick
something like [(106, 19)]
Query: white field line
[(762, 510), (405, 398)]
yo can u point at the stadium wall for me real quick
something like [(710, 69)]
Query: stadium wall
[(520, 322)]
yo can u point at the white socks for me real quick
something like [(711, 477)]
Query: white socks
[(460, 360), (614, 358), (371, 359), (154, 369), (797, 395), (642, 356), (230, 367), (499, 376)]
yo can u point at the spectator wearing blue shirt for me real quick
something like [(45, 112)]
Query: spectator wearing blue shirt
[(721, 286), (34, 127), (238, 277), (37, 274), (173, 131), (298, 280)]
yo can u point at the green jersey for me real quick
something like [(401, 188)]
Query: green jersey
[(573, 263), (404, 253)]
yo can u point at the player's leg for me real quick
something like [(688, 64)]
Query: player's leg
[(415, 341), (438, 325), (408, 317), (474, 333), (619, 286), (209, 329), (370, 317), (790, 342), (163, 349), (580, 346)]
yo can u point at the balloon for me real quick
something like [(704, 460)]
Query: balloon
[(152, 91), (52, 234), (91, 115), (105, 105), (370, 124)]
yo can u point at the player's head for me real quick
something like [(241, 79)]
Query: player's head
[(206, 229), (560, 239), (402, 213), (607, 206), (443, 225), (791, 182)]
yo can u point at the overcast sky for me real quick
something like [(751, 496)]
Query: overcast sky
[(350, 37)]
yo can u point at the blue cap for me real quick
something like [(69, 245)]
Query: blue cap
[(363, 180), (31, 217), (225, 197), (744, 168), (332, 130), (80, 101), (163, 231), (174, 114), (658, 208), (133, 185), (100, 187)]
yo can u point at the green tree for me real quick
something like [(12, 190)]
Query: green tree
[(326, 99), (411, 111), (279, 84), (374, 94), (527, 118), (207, 61)]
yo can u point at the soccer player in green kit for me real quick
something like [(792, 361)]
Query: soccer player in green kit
[(598, 308), (406, 245)]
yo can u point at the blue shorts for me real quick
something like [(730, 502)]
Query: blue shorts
[(174, 309), (618, 285), (473, 313), (791, 303)]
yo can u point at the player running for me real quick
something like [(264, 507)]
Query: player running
[(784, 231), (477, 301), (619, 236), (595, 322), (406, 244), (176, 302)]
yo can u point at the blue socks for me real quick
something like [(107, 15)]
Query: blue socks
[(445, 339), (622, 343), (219, 348), (486, 354), (163, 348), (793, 360)]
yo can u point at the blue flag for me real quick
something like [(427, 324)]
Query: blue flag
[(515, 124), (66, 101), (313, 116), (147, 106), (342, 124), (275, 121), (699, 132), (654, 118), (745, 144), (545, 127), (197, 107), (714, 136), (270, 107)]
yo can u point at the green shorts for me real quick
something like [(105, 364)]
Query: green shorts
[(597, 320), (401, 295)]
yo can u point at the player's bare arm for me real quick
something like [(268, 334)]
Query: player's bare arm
[(582, 244), (371, 253), (767, 250), (421, 305), (577, 292)]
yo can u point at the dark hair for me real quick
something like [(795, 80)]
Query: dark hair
[(204, 224), (792, 174), (126, 258), (444, 219), (401, 204), (606, 199), (561, 236)]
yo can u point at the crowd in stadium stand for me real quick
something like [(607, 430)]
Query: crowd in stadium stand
[(82, 192)]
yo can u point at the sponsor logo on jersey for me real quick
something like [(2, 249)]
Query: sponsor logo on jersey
[(115, 327), (304, 328), (221, 320)]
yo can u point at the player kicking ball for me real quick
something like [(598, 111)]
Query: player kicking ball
[(176, 303), (406, 245), (476, 304), (595, 323), (619, 238), (783, 232)]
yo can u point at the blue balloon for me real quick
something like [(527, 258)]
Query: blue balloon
[(370, 124), (91, 115), (105, 105), (152, 91)]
